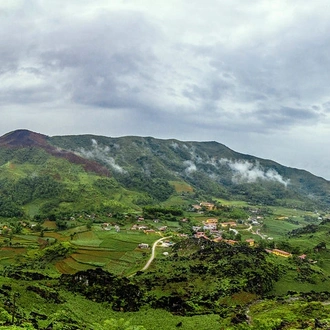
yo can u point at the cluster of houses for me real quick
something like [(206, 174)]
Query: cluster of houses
[(286, 254), (211, 229), (203, 206), (108, 226), (165, 243)]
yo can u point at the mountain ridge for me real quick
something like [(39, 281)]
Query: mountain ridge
[(148, 165)]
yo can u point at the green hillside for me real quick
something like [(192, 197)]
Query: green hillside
[(141, 233), (211, 168)]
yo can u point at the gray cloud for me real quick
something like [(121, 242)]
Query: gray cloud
[(239, 73)]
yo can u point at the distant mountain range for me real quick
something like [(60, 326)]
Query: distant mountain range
[(136, 171)]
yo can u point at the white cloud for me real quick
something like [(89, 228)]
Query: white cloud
[(245, 171), (190, 167), (101, 153)]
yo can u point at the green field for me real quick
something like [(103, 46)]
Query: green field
[(81, 248)]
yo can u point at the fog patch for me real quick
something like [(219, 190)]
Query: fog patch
[(174, 145), (190, 167), (248, 172), (213, 162), (101, 153)]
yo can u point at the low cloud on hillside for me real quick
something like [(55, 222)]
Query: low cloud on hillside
[(101, 153), (247, 172)]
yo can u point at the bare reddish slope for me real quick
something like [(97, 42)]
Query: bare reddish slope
[(25, 138)]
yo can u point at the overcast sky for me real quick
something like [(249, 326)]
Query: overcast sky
[(253, 75)]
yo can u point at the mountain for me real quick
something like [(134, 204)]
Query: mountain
[(210, 168), (40, 174)]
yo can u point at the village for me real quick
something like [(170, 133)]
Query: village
[(212, 229), (198, 223)]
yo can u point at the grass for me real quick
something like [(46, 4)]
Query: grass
[(181, 186), (277, 228), (232, 203)]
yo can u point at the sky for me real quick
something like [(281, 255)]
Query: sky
[(253, 75)]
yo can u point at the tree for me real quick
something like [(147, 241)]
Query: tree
[(320, 246), (89, 225)]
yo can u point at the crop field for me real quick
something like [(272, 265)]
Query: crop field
[(232, 203), (49, 224), (288, 212), (277, 228), (55, 236), (99, 258), (176, 200), (181, 186), (9, 254), (28, 238), (32, 209), (125, 240), (71, 266), (87, 238), (115, 252), (116, 262)]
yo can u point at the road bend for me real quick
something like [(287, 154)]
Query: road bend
[(153, 253)]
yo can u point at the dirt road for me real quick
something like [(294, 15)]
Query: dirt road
[(153, 252)]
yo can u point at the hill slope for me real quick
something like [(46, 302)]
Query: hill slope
[(209, 167), (75, 172)]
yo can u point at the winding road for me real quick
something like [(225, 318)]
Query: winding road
[(153, 252)]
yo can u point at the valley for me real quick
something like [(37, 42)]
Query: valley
[(139, 233)]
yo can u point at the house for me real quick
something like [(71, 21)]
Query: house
[(216, 232), (106, 226), (230, 241), (200, 234), (167, 244), (211, 221), (234, 231), (143, 246), (302, 257), (138, 227), (196, 228), (196, 207), (149, 231), (208, 206), (229, 223), (211, 226), (162, 228), (281, 253), (250, 241)]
